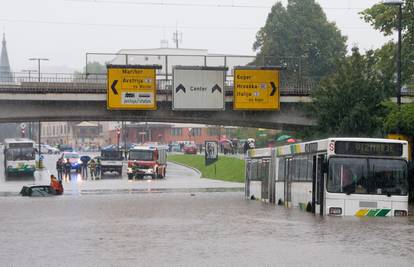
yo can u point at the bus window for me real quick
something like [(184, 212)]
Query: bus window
[(388, 177), (281, 170), (347, 175)]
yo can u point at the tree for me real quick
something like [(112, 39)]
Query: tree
[(400, 120), (384, 19), (349, 102), (300, 36), (91, 70)]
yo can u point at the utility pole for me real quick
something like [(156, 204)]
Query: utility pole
[(38, 64), (399, 4), (29, 71)]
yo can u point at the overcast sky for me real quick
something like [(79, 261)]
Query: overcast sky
[(64, 30)]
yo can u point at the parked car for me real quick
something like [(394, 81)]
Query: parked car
[(190, 149), (46, 149), (65, 148), (74, 159), (175, 148)]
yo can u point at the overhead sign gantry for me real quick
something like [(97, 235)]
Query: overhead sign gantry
[(132, 87), (256, 88), (198, 88)]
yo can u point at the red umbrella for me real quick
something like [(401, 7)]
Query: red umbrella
[(291, 140)]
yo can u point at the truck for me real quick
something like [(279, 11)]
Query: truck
[(147, 160), (111, 160)]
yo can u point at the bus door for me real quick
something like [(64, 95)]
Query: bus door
[(318, 184), (288, 182)]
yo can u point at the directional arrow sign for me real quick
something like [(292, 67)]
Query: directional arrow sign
[(272, 84), (113, 87), (198, 88), (131, 87), (256, 89), (216, 88), (180, 87)]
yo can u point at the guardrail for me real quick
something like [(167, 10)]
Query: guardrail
[(97, 84)]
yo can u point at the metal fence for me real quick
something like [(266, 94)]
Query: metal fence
[(19, 82)]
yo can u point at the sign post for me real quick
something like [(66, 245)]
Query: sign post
[(198, 88), (132, 87), (211, 152), (256, 88)]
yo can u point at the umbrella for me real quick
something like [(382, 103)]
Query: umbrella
[(291, 140), (283, 138)]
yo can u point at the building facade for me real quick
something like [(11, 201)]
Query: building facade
[(168, 133), (79, 135)]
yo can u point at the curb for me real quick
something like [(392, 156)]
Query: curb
[(187, 166)]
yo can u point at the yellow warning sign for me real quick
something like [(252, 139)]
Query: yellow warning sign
[(131, 87), (256, 89)]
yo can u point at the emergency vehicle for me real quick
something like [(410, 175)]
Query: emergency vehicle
[(147, 160)]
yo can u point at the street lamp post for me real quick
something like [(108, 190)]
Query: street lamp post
[(38, 64), (29, 71), (398, 3)]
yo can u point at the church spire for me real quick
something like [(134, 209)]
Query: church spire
[(5, 73)]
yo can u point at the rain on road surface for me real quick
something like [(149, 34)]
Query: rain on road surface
[(182, 228)]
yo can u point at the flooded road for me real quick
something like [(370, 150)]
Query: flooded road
[(199, 229), (183, 220)]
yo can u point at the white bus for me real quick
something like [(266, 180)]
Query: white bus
[(335, 176), (19, 156)]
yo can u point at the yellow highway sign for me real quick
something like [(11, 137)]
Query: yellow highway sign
[(131, 87), (256, 88)]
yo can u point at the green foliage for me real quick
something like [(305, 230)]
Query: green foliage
[(93, 68), (227, 168), (300, 34), (401, 121), (349, 102), (384, 19)]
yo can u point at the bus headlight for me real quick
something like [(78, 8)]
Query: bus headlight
[(400, 213), (335, 211)]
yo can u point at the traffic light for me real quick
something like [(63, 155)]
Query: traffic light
[(23, 132)]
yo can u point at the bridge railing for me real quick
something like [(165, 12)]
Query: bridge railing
[(19, 82)]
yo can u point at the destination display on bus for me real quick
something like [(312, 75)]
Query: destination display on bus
[(20, 145), (368, 148)]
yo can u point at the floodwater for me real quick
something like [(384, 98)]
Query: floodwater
[(185, 221), (197, 229)]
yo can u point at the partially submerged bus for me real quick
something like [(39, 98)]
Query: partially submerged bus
[(19, 156), (335, 176)]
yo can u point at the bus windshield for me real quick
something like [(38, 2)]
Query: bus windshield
[(367, 176), (144, 155), (15, 154)]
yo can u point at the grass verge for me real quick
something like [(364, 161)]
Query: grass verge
[(225, 169)]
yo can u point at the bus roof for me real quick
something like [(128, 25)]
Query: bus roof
[(318, 145), (18, 140), (322, 145)]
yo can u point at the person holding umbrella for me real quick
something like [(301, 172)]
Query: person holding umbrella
[(85, 160)]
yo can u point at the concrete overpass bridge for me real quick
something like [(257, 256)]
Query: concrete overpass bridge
[(62, 97), (67, 97)]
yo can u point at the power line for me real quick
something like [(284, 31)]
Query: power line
[(199, 5), (171, 4), (150, 26)]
